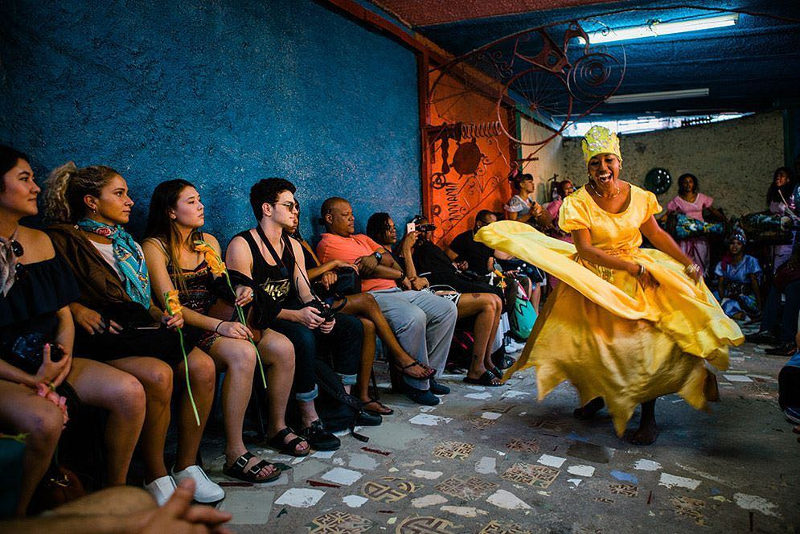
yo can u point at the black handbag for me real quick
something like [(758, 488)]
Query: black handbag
[(347, 283)]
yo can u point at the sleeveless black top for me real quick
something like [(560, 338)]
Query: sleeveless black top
[(275, 280)]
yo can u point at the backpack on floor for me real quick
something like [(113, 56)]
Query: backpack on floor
[(337, 409), (521, 314)]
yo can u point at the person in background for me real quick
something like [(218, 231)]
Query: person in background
[(36, 337), (564, 189), (117, 322), (522, 206), (782, 200), (739, 276), (175, 261), (691, 202)]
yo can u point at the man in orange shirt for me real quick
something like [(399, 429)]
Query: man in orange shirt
[(423, 322)]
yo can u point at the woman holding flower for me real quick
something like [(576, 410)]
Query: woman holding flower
[(180, 256), (36, 333), (118, 323)]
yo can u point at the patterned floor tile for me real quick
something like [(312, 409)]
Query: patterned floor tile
[(453, 450), (689, 507), (480, 423), (388, 489), (628, 490), (470, 489), (521, 445), (336, 522), (538, 476), (427, 525), (499, 527)]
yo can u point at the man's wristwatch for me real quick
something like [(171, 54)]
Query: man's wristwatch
[(377, 255)]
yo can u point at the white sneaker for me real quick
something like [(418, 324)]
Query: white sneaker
[(205, 490), (161, 489)]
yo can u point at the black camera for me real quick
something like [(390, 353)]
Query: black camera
[(426, 227), (326, 311)]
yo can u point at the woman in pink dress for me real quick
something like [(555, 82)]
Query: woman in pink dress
[(564, 189), (691, 203)]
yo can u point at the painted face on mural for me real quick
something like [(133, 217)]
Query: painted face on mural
[(341, 219), (114, 205), (189, 210), (21, 191)]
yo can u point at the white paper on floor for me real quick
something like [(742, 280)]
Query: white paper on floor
[(672, 481), (464, 511), (486, 465), (754, 502), (300, 497), (491, 415), (428, 419), (298, 460), (738, 378), (338, 461), (340, 475), (323, 454), (428, 500), (552, 461), (574, 481), (507, 500), (354, 501), (478, 396), (428, 475), (426, 409), (514, 394), (581, 470), (477, 388), (646, 465)]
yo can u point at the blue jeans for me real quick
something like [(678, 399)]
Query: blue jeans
[(343, 343), (783, 325)]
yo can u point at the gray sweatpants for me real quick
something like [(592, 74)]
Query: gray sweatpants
[(424, 325)]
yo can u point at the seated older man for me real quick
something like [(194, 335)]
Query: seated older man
[(422, 321)]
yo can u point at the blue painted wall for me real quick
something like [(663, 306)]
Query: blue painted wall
[(221, 93)]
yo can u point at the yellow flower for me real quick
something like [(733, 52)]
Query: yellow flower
[(173, 302), (213, 260)]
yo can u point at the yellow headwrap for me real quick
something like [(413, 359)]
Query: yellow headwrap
[(600, 140)]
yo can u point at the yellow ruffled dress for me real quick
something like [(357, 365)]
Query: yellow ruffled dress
[(604, 333)]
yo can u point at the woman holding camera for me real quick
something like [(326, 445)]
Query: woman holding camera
[(36, 334), (174, 261), (118, 323)]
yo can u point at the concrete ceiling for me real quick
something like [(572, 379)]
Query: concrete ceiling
[(752, 66)]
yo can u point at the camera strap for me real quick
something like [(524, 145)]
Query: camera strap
[(278, 261)]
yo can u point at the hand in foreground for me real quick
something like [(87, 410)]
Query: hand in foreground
[(178, 516), (93, 322), (419, 283), (51, 371), (233, 329), (310, 317), (172, 321), (327, 326), (244, 295), (328, 279)]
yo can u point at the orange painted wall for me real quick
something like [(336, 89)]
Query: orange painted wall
[(456, 198)]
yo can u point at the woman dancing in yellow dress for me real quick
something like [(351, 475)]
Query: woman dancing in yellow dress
[(629, 324)]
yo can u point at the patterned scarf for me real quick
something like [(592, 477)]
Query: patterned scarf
[(129, 260), (10, 251)]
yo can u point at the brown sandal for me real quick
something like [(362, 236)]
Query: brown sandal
[(404, 368), (382, 409)]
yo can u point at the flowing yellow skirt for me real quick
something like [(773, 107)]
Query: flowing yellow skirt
[(609, 337)]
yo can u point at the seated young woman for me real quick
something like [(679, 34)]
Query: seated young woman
[(118, 323), (485, 307), (36, 334), (363, 306), (174, 261)]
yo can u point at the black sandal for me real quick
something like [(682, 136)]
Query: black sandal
[(236, 470), (484, 380), (496, 372), (403, 368), (277, 443)]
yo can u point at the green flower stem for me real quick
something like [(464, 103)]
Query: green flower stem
[(188, 384), (242, 320)]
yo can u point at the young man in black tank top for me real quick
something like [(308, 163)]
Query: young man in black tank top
[(276, 263)]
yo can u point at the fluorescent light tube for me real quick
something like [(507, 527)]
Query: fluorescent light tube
[(656, 29), (658, 95)]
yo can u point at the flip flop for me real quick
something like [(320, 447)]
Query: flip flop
[(403, 368), (382, 408), (484, 380)]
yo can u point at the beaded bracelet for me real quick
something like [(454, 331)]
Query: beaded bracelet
[(216, 330)]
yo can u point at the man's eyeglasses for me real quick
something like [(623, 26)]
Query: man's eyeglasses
[(289, 205)]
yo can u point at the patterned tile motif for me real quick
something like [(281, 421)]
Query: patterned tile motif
[(339, 523), (470, 489), (604, 499), (480, 423), (453, 450), (498, 527), (691, 508), (629, 490), (388, 489), (426, 525), (546, 424), (538, 476), (521, 445)]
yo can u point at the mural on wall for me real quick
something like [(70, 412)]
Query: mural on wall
[(474, 138)]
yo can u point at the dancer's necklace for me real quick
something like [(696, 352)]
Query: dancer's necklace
[(596, 192)]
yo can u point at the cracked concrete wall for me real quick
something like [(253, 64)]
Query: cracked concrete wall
[(221, 93), (734, 160)]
